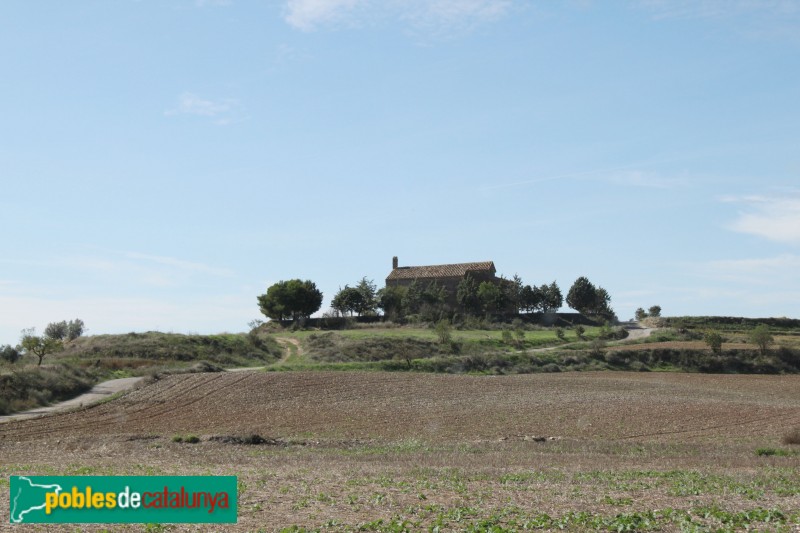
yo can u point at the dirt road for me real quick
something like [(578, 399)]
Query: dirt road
[(99, 392)]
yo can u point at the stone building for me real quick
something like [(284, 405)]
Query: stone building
[(448, 276)]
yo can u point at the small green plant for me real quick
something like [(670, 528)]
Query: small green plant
[(507, 336), (190, 439), (560, 334), (444, 331), (714, 341), (769, 452), (597, 347), (761, 337), (579, 331)]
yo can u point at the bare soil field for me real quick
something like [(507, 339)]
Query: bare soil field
[(389, 451)]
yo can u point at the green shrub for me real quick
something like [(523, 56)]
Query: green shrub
[(9, 354), (190, 439), (761, 337), (714, 341), (597, 347), (443, 331), (769, 452), (519, 333)]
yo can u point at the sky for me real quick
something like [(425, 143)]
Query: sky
[(163, 162)]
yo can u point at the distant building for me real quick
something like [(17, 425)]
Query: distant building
[(448, 276)]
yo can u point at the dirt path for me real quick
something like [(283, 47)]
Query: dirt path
[(636, 331), (99, 392), (287, 343)]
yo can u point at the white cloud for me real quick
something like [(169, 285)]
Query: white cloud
[(306, 15), (440, 15), (191, 104), (774, 218), (436, 15), (693, 9), (779, 271)]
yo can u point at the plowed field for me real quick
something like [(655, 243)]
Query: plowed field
[(414, 452), (394, 406)]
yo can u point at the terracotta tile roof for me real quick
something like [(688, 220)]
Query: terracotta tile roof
[(458, 270)]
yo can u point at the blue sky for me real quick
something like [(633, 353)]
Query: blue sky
[(164, 162)]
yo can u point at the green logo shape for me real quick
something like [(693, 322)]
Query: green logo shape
[(123, 499)]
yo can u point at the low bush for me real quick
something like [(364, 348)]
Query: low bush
[(773, 452), (331, 347), (225, 349)]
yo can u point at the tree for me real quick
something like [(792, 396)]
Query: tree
[(9, 354), (552, 298), (348, 300), (582, 296), (390, 300), (641, 314), (655, 311), (64, 330), (38, 345), (531, 299), (512, 291), (368, 302), (714, 341), (490, 296), (602, 304), (761, 337), (434, 294), (413, 298), (74, 329), (293, 298), (434, 302), (56, 330), (467, 295), (587, 299)]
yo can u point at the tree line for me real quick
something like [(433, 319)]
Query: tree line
[(295, 299)]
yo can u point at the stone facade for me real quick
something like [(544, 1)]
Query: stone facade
[(448, 276)]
